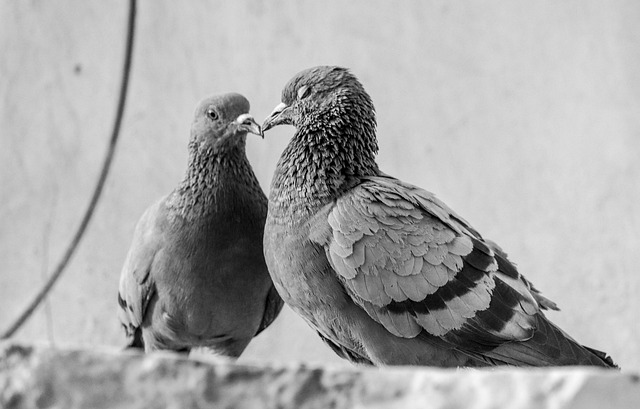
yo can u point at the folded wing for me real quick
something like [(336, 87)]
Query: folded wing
[(413, 265)]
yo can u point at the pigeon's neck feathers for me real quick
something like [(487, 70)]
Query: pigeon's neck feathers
[(327, 151), (216, 180)]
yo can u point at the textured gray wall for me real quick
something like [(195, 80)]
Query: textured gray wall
[(522, 116)]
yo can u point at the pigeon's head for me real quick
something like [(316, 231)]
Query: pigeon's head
[(223, 120), (318, 95)]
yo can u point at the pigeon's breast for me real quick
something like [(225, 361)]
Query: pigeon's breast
[(213, 281), (304, 279)]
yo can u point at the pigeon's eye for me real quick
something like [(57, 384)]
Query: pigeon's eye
[(212, 114), (303, 92)]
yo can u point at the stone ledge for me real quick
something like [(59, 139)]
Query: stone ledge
[(37, 377)]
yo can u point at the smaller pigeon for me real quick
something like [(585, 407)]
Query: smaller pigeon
[(195, 275)]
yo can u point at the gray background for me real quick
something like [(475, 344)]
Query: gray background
[(522, 116)]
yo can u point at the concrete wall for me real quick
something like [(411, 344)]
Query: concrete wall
[(522, 116)]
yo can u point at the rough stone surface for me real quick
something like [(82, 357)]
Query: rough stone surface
[(32, 377)]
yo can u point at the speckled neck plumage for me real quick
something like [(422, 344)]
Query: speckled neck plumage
[(214, 176), (324, 155)]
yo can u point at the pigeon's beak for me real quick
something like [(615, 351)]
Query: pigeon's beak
[(281, 115), (247, 123)]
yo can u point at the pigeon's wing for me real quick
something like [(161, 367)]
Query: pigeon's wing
[(272, 308), (544, 302), (137, 287), (413, 265)]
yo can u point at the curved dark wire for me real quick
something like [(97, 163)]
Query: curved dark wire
[(100, 184)]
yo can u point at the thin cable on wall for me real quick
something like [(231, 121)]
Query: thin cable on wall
[(53, 278)]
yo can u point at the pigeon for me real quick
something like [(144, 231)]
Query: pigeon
[(384, 271), (195, 275)]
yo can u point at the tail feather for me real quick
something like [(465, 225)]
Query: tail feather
[(549, 346), (603, 356), (134, 340)]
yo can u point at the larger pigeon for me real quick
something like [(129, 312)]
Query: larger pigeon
[(385, 272), (195, 275)]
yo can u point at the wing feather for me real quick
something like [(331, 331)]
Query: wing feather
[(413, 265), (137, 287)]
